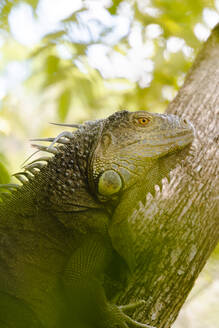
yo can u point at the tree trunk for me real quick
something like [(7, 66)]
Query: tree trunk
[(178, 228)]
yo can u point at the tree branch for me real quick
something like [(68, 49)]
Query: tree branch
[(178, 228)]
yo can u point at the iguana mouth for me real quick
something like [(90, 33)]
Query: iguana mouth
[(162, 143), (182, 139)]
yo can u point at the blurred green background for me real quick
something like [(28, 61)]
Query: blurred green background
[(76, 60)]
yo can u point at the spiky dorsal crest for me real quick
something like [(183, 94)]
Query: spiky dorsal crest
[(33, 168)]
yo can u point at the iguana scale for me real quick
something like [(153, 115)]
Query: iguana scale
[(65, 243)]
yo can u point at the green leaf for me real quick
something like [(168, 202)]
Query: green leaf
[(64, 102), (4, 175), (5, 8), (52, 65), (113, 8), (32, 3), (50, 37), (215, 254), (41, 50), (73, 16)]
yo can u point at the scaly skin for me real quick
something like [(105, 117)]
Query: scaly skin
[(65, 243)]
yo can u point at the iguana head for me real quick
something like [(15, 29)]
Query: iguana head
[(135, 148)]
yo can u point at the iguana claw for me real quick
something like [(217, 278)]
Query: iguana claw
[(119, 319), (131, 306)]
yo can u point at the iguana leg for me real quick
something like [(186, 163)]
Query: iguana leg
[(83, 283)]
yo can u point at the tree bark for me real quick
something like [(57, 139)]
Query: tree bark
[(178, 228)]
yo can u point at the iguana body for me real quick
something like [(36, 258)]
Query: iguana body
[(64, 236)]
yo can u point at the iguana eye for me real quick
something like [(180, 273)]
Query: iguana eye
[(143, 120)]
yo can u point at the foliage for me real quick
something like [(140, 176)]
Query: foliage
[(4, 175), (77, 82)]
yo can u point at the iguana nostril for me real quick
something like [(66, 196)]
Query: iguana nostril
[(186, 124)]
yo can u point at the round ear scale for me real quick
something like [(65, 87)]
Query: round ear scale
[(109, 183)]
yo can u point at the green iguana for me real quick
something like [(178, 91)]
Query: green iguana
[(65, 243)]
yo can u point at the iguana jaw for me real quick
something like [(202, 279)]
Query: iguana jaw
[(158, 170)]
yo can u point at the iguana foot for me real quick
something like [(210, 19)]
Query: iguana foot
[(116, 317), (131, 306)]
